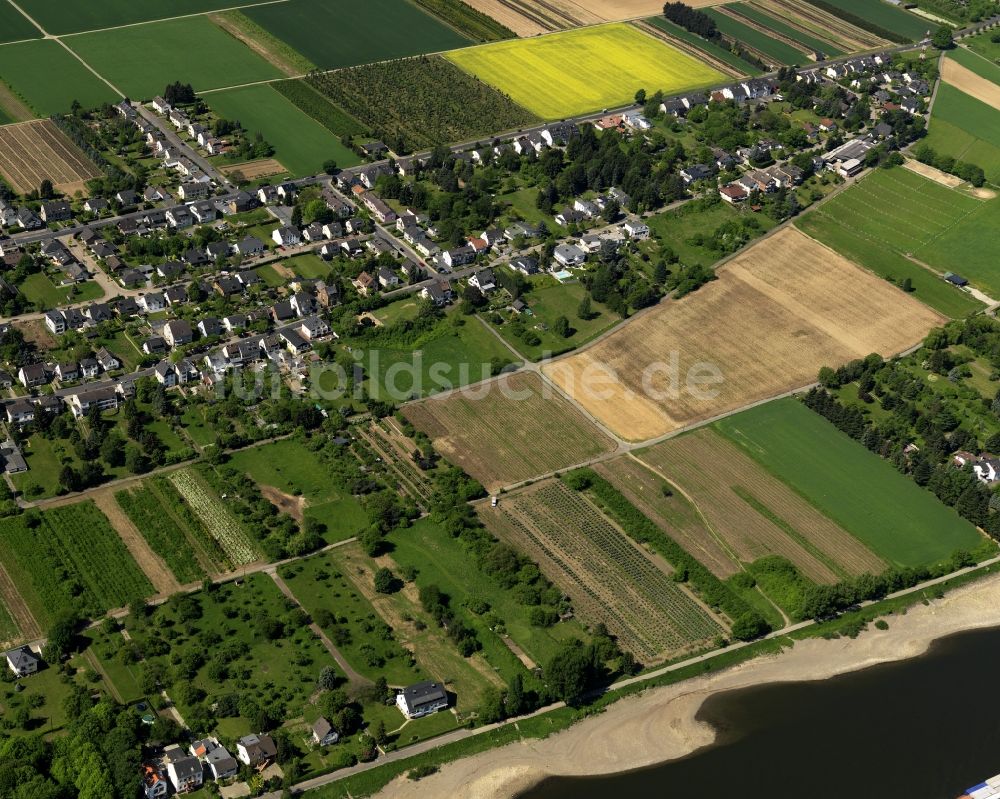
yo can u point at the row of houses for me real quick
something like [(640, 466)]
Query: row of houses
[(186, 771)]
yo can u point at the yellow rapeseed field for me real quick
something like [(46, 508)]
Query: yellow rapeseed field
[(587, 69)]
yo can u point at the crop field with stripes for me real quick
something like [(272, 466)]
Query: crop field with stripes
[(608, 578)]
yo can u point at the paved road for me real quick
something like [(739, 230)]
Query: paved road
[(175, 141)]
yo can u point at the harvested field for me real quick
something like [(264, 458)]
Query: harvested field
[(605, 574), (18, 609), (755, 513), (508, 430), (12, 109), (965, 80), (779, 311), (676, 515), (251, 170), (822, 23), (931, 173), (33, 151)]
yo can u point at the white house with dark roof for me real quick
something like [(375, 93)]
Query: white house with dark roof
[(422, 699), (22, 661)]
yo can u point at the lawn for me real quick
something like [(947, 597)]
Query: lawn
[(897, 519), (568, 73), (776, 25), (301, 143), (682, 229), (45, 458), (59, 16), (72, 560), (292, 468), (334, 35), (47, 77), (141, 60), (775, 49), (927, 286), (456, 352), (982, 45), (549, 299), (309, 266), (14, 26), (714, 50), (38, 288), (886, 16)]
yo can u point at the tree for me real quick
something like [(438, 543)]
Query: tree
[(297, 216), (640, 97), (942, 38), (561, 327), (491, 707), (584, 310), (516, 701), (379, 733), (907, 285), (385, 581), (46, 191), (568, 673), (330, 167), (328, 678), (61, 638)]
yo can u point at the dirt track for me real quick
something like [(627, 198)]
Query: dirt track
[(18, 608), (151, 564), (778, 312)]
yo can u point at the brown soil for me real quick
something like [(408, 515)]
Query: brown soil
[(151, 564), (931, 173), (19, 611), (778, 312), (286, 503), (515, 429), (965, 80), (509, 16), (251, 170), (31, 152), (36, 333)]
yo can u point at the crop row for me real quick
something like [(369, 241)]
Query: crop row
[(161, 529), (218, 520)]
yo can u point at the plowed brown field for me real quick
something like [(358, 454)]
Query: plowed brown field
[(778, 312), (32, 151), (755, 513)]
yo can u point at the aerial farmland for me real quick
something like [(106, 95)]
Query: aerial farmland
[(386, 384)]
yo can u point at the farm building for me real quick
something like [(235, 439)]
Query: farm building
[(421, 699)]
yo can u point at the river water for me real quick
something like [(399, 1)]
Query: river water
[(924, 728)]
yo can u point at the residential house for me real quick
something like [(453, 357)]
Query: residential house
[(313, 327), (217, 249), (255, 749), (68, 370), (459, 256), (227, 286), (177, 332), (179, 217), (33, 375), (175, 295), (302, 303), (193, 191), (569, 216), (131, 278), (636, 230), (89, 368), (154, 784), (525, 264), (203, 212), (55, 322), (165, 374), (569, 255), (107, 360), (242, 202), (484, 280), (387, 279), (22, 661), (154, 345), (20, 412), (27, 219), (363, 283), (127, 198), (105, 398), (733, 193), (95, 205), (185, 774), (153, 302), (421, 699), (439, 293), (221, 764), (378, 208), (286, 236), (323, 733), (234, 322), (56, 211), (695, 172), (250, 246)]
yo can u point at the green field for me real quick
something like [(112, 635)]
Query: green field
[(714, 50), (972, 248), (59, 16), (314, 104), (549, 299), (683, 228), (14, 26), (884, 262), (982, 45), (143, 59), (292, 468), (456, 352), (333, 35), (777, 50), (985, 67), (897, 519), (570, 72), (301, 143), (43, 292), (966, 129), (72, 560), (775, 24), (884, 16), (49, 79)]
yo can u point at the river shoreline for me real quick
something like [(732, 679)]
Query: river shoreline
[(661, 724)]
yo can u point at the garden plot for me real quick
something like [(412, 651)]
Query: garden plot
[(215, 516)]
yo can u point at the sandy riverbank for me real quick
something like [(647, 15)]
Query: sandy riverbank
[(659, 725)]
